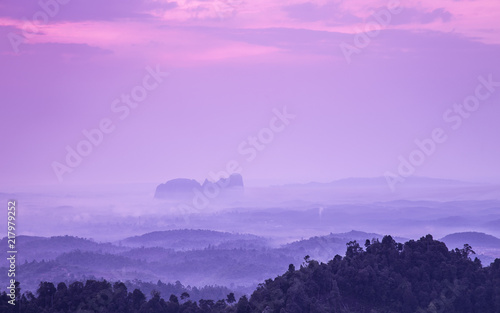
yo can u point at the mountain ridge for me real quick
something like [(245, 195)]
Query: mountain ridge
[(184, 188)]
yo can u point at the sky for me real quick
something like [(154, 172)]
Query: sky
[(280, 91)]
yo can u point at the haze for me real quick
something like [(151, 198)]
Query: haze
[(230, 63)]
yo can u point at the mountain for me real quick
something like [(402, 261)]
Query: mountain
[(177, 188), (361, 236), (486, 247), (189, 239), (233, 181), (382, 182), (194, 257), (474, 239), (323, 248), (186, 189), (42, 248), (493, 224)]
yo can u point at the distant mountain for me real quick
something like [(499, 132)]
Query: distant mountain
[(322, 248), (361, 236), (233, 181), (474, 239), (493, 225), (196, 257), (48, 248), (381, 181), (177, 188), (189, 239), (487, 247), (193, 256), (186, 189)]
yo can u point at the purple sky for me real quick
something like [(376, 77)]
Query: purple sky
[(230, 64)]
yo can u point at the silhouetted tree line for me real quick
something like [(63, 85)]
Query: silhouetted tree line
[(418, 276)]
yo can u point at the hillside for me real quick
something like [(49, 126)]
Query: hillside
[(188, 239), (487, 247), (418, 276), (193, 257), (384, 276), (48, 248), (474, 239)]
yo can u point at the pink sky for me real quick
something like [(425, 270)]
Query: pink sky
[(230, 63)]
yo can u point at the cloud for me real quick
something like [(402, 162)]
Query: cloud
[(84, 10), (32, 55), (295, 41), (310, 12), (340, 14), (415, 16), (302, 44), (67, 50)]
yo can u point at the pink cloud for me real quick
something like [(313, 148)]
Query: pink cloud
[(185, 29)]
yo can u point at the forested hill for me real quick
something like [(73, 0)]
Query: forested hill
[(418, 276)]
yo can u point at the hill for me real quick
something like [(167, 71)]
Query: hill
[(194, 257), (418, 276), (385, 276), (48, 248), (474, 239), (188, 239)]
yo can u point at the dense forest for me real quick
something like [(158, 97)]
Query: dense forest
[(193, 257), (383, 276)]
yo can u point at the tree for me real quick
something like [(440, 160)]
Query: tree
[(353, 249), (467, 250), (243, 305), (184, 295), (230, 298), (173, 299), (46, 293), (137, 299)]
